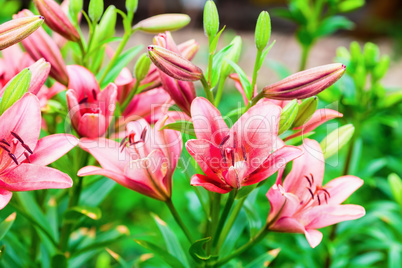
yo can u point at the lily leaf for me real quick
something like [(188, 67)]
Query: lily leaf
[(6, 224), (243, 78), (75, 213), (182, 126), (197, 251), (163, 254)]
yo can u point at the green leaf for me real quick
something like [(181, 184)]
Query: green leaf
[(171, 241), (118, 258), (182, 126), (283, 13), (264, 54), (395, 183), (59, 261), (350, 5), (95, 193), (253, 217), (75, 213), (332, 24), (243, 78), (163, 254), (6, 224), (217, 64), (15, 89), (197, 250), (214, 42), (265, 259), (121, 62)]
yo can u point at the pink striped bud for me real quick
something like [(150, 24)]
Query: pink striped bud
[(173, 64), (41, 45), (56, 19), (40, 71), (14, 31), (188, 49), (305, 84)]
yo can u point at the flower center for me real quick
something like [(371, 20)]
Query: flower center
[(8, 149), (89, 104), (319, 191), (232, 154), (128, 141)]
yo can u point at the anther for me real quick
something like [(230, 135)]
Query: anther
[(309, 182), (143, 133), (5, 142), (94, 94), (326, 198), (123, 141), (13, 158), (233, 156), (312, 177), (244, 152), (5, 148), (27, 148), (319, 201), (84, 100), (17, 137), (234, 139), (326, 192), (311, 192), (224, 140), (27, 157)]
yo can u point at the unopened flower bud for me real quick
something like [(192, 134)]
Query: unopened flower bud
[(306, 111), (161, 23), (40, 71), (107, 25), (262, 30), (381, 68), (233, 55), (288, 115), (306, 83), (75, 8), (371, 55), (142, 67), (95, 10), (56, 19), (188, 49), (336, 140), (173, 64), (14, 31), (15, 89), (131, 5), (211, 19)]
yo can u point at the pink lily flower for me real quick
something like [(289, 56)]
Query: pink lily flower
[(301, 204), (246, 154), (144, 161), (90, 109), (23, 158), (41, 45)]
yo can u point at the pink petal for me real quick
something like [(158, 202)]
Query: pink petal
[(208, 122), (28, 177), (210, 184), (52, 147), (107, 153), (92, 125), (207, 156), (341, 188), (5, 197), (82, 81), (277, 198), (24, 119), (107, 102), (313, 237), (310, 163), (325, 215), (319, 117), (274, 161), (257, 132), (287, 225)]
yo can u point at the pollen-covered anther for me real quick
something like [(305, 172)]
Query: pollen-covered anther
[(12, 156), (26, 147), (27, 157), (5, 142), (17, 137), (4, 148)]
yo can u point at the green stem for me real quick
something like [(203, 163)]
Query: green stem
[(130, 96), (304, 57), (256, 239), (179, 221), (232, 218), (256, 69), (219, 91), (207, 89), (222, 220), (254, 100)]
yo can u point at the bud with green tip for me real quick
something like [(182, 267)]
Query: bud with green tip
[(355, 53), (162, 23), (75, 8), (306, 83), (233, 55), (15, 89), (288, 115), (381, 68), (371, 55), (131, 5), (395, 183), (306, 111), (107, 25), (95, 10), (142, 67), (14, 31), (211, 19), (173, 64), (336, 140), (262, 30)]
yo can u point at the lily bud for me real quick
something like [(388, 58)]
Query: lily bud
[(95, 10), (306, 83), (381, 68), (233, 55), (75, 8), (371, 55), (188, 49), (173, 64), (107, 25), (262, 30), (56, 19), (15, 89), (142, 67), (14, 31), (288, 115), (40, 71), (211, 19), (131, 5), (306, 111), (161, 23), (336, 140)]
